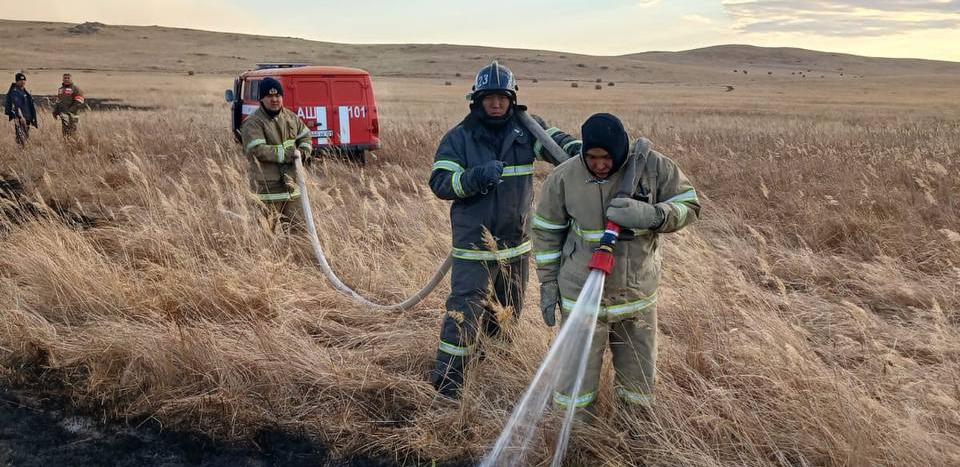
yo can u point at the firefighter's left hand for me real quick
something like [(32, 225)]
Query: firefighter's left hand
[(634, 214)]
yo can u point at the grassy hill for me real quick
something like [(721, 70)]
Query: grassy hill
[(94, 46)]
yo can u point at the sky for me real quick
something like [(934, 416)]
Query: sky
[(881, 28)]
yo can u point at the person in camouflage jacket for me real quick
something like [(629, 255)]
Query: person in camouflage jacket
[(69, 103)]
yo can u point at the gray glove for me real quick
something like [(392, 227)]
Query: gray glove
[(549, 298), (635, 214)]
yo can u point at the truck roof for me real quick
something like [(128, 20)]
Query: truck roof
[(306, 70)]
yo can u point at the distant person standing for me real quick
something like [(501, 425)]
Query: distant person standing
[(68, 105), (18, 106)]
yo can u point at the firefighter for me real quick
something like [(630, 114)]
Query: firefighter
[(273, 137), (18, 106), (576, 201), (485, 166), (69, 103)]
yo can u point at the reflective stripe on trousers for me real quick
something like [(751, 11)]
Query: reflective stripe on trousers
[(487, 255)]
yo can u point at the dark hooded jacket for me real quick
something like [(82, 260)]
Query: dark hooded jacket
[(20, 99)]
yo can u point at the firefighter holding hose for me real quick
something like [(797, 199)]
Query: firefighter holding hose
[(485, 166), (272, 137), (576, 202)]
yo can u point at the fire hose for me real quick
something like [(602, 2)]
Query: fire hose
[(538, 132)]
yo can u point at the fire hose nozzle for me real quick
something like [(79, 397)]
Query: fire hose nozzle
[(602, 259)]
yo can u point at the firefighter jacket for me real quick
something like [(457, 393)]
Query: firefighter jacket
[(268, 143), (20, 99), (502, 209), (570, 222), (69, 100)]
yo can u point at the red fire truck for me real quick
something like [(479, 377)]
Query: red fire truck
[(336, 104)]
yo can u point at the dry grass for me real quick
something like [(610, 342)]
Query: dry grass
[(811, 318)]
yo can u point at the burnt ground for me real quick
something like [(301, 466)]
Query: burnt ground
[(45, 431), (92, 103), (17, 208)]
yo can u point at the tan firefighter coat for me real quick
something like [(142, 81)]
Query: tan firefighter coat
[(570, 220), (269, 143)]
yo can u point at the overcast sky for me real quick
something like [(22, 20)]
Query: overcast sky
[(887, 28)]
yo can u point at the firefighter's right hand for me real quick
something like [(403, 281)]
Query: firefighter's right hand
[(549, 299), (489, 173)]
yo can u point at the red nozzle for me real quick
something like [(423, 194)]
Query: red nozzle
[(602, 259)]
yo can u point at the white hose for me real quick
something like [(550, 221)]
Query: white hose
[(332, 277), (416, 298)]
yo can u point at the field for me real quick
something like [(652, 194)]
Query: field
[(810, 318)]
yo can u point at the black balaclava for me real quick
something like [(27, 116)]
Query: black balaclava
[(605, 131), (493, 123), (266, 86)]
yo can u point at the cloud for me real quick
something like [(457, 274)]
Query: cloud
[(845, 18), (697, 19)]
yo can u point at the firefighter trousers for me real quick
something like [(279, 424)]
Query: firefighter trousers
[(284, 216), (633, 343), (469, 313)]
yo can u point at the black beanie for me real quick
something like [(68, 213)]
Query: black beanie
[(606, 131), (267, 85), (20, 76)]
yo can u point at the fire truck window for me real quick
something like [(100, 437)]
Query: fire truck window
[(253, 90)]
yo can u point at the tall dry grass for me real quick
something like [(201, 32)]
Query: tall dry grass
[(810, 318)]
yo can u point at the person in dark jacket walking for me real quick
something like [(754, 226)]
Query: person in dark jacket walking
[(485, 166), (18, 106)]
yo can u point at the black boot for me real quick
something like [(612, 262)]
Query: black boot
[(447, 376)]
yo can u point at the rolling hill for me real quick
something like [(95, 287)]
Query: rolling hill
[(99, 47)]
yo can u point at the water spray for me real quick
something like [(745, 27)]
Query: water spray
[(570, 350)]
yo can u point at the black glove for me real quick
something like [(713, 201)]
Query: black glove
[(485, 176), (539, 121)]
